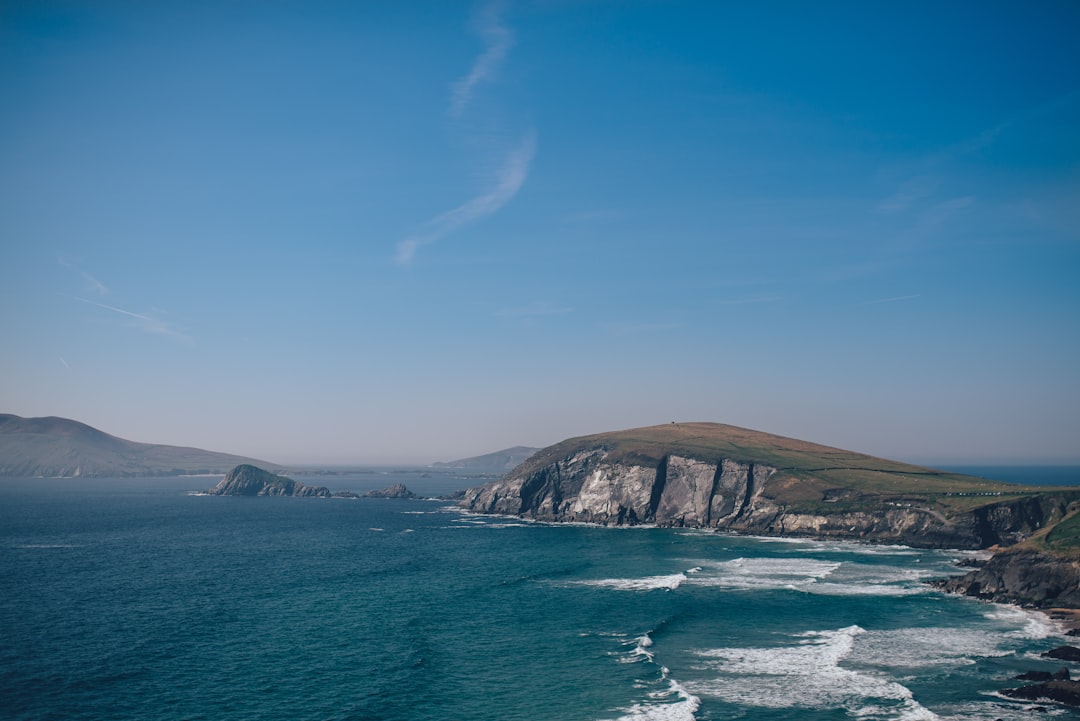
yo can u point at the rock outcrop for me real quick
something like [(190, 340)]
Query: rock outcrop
[(1062, 691), (248, 480), (1023, 577), (396, 491)]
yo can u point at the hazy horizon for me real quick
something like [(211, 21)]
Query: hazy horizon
[(399, 233)]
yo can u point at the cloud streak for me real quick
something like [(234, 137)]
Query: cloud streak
[(147, 323), (541, 308), (92, 284), (499, 39), (508, 181), (895, 299)]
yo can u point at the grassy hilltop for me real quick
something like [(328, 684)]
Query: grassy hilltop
[(809, 476)]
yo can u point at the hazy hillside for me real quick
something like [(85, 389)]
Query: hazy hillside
[(497, 462), (59, 447)]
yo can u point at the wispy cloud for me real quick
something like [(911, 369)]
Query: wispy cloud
[(93, 285), (894, 299), (507, 182), (911, 191), (498, 40), (147, 323), (622, 329), (539, 308), (750, 299)]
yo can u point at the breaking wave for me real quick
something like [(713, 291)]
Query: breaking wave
[(806, 674)]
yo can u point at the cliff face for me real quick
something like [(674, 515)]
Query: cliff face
[(1024, 577), (247, 480), (590, 485)]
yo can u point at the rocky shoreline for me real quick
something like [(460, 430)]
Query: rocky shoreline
[(1036, 580), (1022, 577)]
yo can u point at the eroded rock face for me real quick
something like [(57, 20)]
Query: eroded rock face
[(587, 487)]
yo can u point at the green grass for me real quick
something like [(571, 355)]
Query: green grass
[(1065, 536)]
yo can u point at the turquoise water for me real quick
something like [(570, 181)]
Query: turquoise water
[(138, 600)]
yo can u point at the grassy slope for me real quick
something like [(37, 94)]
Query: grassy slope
[(55, 446), (1060, 539), (811, 476)]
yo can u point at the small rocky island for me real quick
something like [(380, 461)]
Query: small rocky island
[(396, 491), (248, 480)]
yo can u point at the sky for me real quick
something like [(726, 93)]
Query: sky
[(401, 232)]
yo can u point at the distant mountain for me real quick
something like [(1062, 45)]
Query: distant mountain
[(59, 447), (497, 462)]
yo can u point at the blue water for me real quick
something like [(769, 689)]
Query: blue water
[(134, 599), (1023, 475)]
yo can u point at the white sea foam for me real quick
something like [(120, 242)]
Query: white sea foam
[(640, 652), (675, 703), (854, 579), (765, 573), (1031, 624), (648, 583), (806, 675), (911, 648), (993, 709)]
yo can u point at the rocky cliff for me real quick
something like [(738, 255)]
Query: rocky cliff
[(248, 480), (720, 477)]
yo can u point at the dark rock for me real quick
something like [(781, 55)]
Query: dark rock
[(247, 480), (1061, 691), (1064, 653), (396, 491), (1062, 674), (1035, 676), (971, 562), (1024, 577), (345, 494)]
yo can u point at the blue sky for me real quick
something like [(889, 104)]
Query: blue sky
[(333, 232)]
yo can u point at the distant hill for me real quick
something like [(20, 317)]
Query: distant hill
[(60, 447), (497, 462)]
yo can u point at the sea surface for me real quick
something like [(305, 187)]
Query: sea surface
[(140, 599)]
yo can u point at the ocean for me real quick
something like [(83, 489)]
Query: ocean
[(138, 599)]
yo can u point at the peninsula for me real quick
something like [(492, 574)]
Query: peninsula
[(53, 447), (714, 476), (708, 475)]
